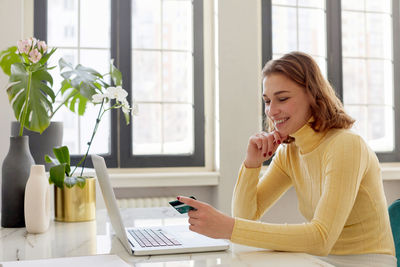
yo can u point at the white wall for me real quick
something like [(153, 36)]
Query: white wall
[(16, 20), (238, 98)]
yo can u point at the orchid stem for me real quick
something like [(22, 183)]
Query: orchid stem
[(100, 114)]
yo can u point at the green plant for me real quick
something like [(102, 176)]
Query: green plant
[(102, 93), (30, 89)]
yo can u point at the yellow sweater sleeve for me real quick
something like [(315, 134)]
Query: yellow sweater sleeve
[(252, 197), (343, 166)]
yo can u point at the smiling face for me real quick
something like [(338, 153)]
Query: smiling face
[(287, 104)]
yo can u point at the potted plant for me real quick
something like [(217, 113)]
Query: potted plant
[(31, 97), (74, 193)]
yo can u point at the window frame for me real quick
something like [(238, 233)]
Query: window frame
[(121, 134), (334, 59)]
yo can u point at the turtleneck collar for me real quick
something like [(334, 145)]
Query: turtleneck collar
[(306, 139)]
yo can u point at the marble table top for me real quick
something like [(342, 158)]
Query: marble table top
[(97, 237)]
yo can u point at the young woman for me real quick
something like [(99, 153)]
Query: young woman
[(336, 176)]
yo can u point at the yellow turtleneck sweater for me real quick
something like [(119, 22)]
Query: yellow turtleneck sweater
[(340, 193)]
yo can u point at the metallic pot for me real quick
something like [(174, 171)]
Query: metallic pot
[(76, 204)]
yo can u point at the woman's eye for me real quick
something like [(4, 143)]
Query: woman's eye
[(267, 102), (283, 99)]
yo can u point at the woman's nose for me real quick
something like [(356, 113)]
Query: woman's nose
[(271, 110)]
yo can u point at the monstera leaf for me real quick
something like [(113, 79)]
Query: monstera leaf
[(7, 58), (36, 99), (79, 85)]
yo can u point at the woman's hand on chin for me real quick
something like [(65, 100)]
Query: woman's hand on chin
[(261, 147)]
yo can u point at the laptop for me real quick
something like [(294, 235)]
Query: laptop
[(152, 240)]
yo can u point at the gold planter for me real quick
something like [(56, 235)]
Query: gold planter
[(76, 204)]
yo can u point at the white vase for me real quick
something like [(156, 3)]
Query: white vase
[(37, 201)]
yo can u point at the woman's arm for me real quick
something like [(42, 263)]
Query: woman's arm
[(343, 165), (252, 197)]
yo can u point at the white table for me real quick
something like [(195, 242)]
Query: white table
[(96, 237)]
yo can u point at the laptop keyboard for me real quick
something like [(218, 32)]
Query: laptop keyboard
[(153, 238)]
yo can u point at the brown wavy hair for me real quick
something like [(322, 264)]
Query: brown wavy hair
[(326, 108)]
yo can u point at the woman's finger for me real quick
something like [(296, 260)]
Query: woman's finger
[(271, 146), (277, 138), (265, 148)]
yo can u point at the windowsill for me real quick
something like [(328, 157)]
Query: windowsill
[(123, 179), (390, 171), (157, 179)]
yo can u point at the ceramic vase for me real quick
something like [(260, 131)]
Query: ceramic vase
[(15, 173), (41, 144), (37, 201)]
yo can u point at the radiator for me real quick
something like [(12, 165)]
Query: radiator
[(145, 202)]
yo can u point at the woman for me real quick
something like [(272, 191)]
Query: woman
[(336, 176)]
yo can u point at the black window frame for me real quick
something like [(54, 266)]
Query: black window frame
[(121, 134), (334, 59)]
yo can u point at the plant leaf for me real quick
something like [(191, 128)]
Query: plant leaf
[(40, 97), (50, 159), (70, 181), (57, 175), (81, 78), (116, 75), (9, 57), (81, 181), (62, 155)]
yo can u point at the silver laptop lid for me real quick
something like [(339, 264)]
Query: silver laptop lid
[(109, 199)]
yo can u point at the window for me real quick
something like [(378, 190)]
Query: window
[(361, 40), (157, 45), (299, 26)]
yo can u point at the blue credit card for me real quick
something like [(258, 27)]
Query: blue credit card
[(181, 207)]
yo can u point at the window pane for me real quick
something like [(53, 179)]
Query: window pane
[(96, 59), (312, 39), (380, 128), (101, 142), (284, 2), (177, 77), (62, 23), (378, 6), (147, 132), (379, 38), (95, 23), (146, 73), (354, 81), (353, 5), (368, 71), (360, 114), (300, 29), (146, 24), (177, 25), (162, 77), (353, 34), (93, 28), (312, 3), (70, 133), (284, 33), (380, 82), (178, 129)]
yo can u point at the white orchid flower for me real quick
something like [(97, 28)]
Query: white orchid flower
[(117, 93), (125, 106)]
